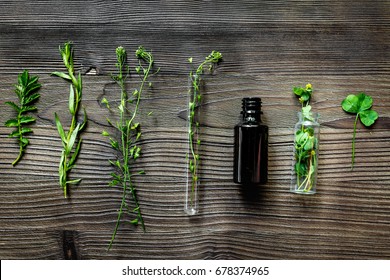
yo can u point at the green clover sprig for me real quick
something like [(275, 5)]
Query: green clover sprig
[(361, 106)]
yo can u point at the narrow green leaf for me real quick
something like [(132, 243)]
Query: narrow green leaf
[(24, 141), (12, 123), (14, 133), (62, 75), (113, 183), (72, 138), (121, 108), (61, 166), (105, 102), (79, 86), (71, 100), (116, 176), (26, 119), (32, 87), (33, 81), (114, 143), (73, 182), (74, 155), (13, 105), (60, 129), (85, 120), (115, 163), (28, 109), (20, 78), (105, 133), (25, 130), (31, 98), (135, 126), (134, 222)]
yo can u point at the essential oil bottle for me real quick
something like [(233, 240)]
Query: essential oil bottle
[(251, 145)]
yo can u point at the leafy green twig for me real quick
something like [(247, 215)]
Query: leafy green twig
[(130, 132), (26, 90), (360, 105), (193, 125), (70, 140), (306, 143)]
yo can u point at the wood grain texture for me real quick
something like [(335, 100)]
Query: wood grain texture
[(268, 47)]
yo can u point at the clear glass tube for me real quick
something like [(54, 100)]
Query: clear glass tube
[(306, 148), (193, 158)]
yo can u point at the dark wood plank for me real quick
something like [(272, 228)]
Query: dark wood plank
[(268, 48)]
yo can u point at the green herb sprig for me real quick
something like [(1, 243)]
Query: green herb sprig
[(193, 125), (360, 105), (71, 140), (26, 90), (130, 132), (306, 143)]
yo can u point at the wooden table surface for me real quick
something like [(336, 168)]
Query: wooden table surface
[(341, 47)]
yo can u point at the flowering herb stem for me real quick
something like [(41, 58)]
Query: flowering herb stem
[(130, 131), (193, 124)]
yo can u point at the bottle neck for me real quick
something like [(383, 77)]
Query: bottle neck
[(252, 117), (312, 117), (251, 110)]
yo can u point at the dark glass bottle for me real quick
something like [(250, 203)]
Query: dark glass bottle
[(251, 145)]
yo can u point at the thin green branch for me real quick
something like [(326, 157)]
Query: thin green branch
[(26, 91), (71, 140), (193, 124), (129, 134)]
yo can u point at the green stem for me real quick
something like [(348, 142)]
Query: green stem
[(72, 127), (353, 141), (120, 213), (21, 149), (125, 138), (192, 130)]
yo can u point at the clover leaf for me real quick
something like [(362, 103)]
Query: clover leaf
[(368, 117), (361, 106)]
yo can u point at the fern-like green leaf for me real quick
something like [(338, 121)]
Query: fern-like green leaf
[(26, 91)]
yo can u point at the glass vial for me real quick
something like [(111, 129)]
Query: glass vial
[(251, 145), (193, 157), (306, 148)]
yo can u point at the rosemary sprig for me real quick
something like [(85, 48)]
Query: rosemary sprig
[(193, 125), (130, 132), (26, 90), (71, 141)]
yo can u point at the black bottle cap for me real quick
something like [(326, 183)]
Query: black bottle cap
[(251, 105)]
